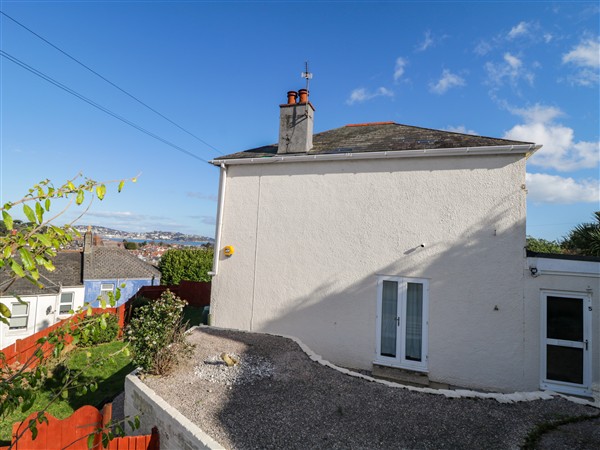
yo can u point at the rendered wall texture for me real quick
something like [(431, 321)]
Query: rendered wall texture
[(311, 238), (568, 283)]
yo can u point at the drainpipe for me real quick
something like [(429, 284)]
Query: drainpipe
[(218, 226)]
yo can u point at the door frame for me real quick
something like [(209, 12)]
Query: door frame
[(398, 361), (562, 386)]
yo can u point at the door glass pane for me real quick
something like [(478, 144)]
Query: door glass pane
[(565, 318), (389, 314), (414, 321), (564, 364)]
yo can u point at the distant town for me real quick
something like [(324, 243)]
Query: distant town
[(110, 233), (148, 246)]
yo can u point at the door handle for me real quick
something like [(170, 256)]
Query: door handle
[(586, 344), (398, 324)]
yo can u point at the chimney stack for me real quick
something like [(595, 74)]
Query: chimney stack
[(88, 241), (296, 124)]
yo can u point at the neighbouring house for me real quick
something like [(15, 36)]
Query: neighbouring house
[(80, 277), (107, 268), (401, 250), (62, 291)]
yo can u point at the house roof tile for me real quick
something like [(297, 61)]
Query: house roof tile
[(112, 263), (68, 273), (379, 137)]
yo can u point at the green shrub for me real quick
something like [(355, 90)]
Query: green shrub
[(153, 328), (189, 264), (95, 334)]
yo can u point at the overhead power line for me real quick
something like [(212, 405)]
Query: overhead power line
[(96, 105), (110, 82)]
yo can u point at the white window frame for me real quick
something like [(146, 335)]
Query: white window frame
[(104, 289), (69, 303), (563, 386), (400, 361), (15, 316)]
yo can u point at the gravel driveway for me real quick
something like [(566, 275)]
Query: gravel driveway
[(278, 398)]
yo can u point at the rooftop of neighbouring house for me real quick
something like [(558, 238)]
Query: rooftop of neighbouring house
[(379, 137), (115, 263), (67, 273)]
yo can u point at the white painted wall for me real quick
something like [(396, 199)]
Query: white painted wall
[(567, 276), (310, 239), (43, 312)]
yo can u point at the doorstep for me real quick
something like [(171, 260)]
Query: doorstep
[(403, 376)]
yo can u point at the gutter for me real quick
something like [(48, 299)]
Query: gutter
[(527, 149), (218, 226)]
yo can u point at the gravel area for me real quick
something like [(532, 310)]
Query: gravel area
[(276, 397)]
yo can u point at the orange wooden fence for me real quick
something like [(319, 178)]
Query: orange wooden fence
[(72, 433), (23, 349)]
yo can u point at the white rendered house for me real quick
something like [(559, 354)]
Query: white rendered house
[(396, 249)]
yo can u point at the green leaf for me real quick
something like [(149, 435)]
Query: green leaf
[(121, 183), (29, 213), (90, 440), (43, 239), (47, 204), (39, 212), (5, 310), (103, 323), (103, 303), (64, 394), (8, 220), (71, 186), (26, 259), (80, 197), (89, 310), (17, 269), (93, 386), (33, 428), (100, 191), (137, 422), (105, 440), (6, 252)]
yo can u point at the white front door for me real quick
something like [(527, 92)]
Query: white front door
[(402, 309), (566, 359)]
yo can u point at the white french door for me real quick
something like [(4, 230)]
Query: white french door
[(566, 350), (402, 320)]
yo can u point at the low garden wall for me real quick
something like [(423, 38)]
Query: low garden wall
[(176, 431)]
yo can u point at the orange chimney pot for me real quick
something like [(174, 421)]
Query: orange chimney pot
[(291, 95)]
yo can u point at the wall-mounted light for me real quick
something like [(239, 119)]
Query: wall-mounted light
[(228, 250), (534, 271)]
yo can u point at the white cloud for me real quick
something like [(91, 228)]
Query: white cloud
[(544, 188), (586, 57), (511, 69), (399, 68), (427, 42), (483, 48), (447, 81), (518, 30), (586, 54), (202, 196), (361, 95), (460, 129), (560, 152), (548, 37)]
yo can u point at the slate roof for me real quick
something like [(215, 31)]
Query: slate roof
[(379, 137), (68, 273), (103, 263)]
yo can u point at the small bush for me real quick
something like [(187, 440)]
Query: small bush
[(152, 329), (94, 334)]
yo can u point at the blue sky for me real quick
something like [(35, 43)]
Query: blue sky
[(521, 70)]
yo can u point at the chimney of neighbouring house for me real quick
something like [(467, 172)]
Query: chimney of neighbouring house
[(296, 123), (88, 240)]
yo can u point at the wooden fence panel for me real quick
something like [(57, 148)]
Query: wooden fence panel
[(23, 349), (73, 432)]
